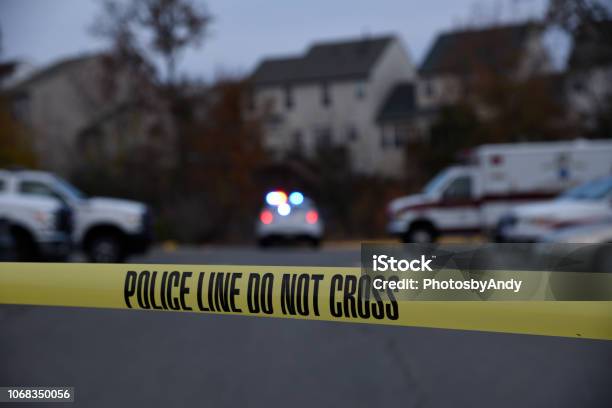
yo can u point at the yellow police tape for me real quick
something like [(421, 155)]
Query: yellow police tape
[(313, 293)]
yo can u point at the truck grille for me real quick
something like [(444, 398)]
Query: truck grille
[(63, 220)]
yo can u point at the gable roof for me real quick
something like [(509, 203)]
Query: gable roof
[(494, 48), (324, 61), (400, 104), (59, 66), (8, 68)]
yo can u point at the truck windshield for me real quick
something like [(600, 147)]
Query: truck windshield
[(436, 183), (69, 191), (593, 190)]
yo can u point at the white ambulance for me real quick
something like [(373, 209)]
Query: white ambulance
[(471, 198)]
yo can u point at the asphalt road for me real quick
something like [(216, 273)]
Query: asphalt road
[(135, 358)]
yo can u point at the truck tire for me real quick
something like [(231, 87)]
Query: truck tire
[(420, 234), (24, 246), (105, 248)]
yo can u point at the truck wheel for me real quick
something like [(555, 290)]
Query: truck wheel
[(105, 248), (420, 234), (24, 246)]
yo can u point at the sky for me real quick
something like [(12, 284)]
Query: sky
[(245, 31)]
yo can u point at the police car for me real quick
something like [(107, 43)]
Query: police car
[(589, 203), (288, 217), (598, 231)]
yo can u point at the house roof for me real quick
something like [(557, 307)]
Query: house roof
[(400, 104), (7, 68), (592, 46), (324, 61), (54, 68), (462, 52)]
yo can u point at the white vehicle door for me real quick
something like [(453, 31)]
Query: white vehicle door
[(458, 209)]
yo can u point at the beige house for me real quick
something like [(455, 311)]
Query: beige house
[(331, 95), (83, 103), (451, 71)]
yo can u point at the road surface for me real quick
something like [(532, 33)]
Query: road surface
[(136, 358)]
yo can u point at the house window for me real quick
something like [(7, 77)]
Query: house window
[(383, 137), (394, 136), (578, 85), (288, 97), (298, 141), (325, 95), (429, 88), (351, 134), (272, 122), (401, 133), (323, 137), (21, 107), (360, 90)]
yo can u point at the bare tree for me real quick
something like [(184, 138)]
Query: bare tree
[(147, 29), (574, 15), (589, 24)]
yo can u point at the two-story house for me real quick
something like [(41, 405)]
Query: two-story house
[(331, 95), (84, 103), (453, 70)]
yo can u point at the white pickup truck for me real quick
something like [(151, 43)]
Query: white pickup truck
[(107, 229), (472, 198), (36, 228)]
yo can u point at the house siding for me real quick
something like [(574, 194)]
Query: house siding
[(350, 117)]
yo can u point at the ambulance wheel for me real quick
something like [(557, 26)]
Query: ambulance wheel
[(420, 234)]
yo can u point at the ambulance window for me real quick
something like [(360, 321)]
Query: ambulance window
[(436, 183), (459, 188)]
